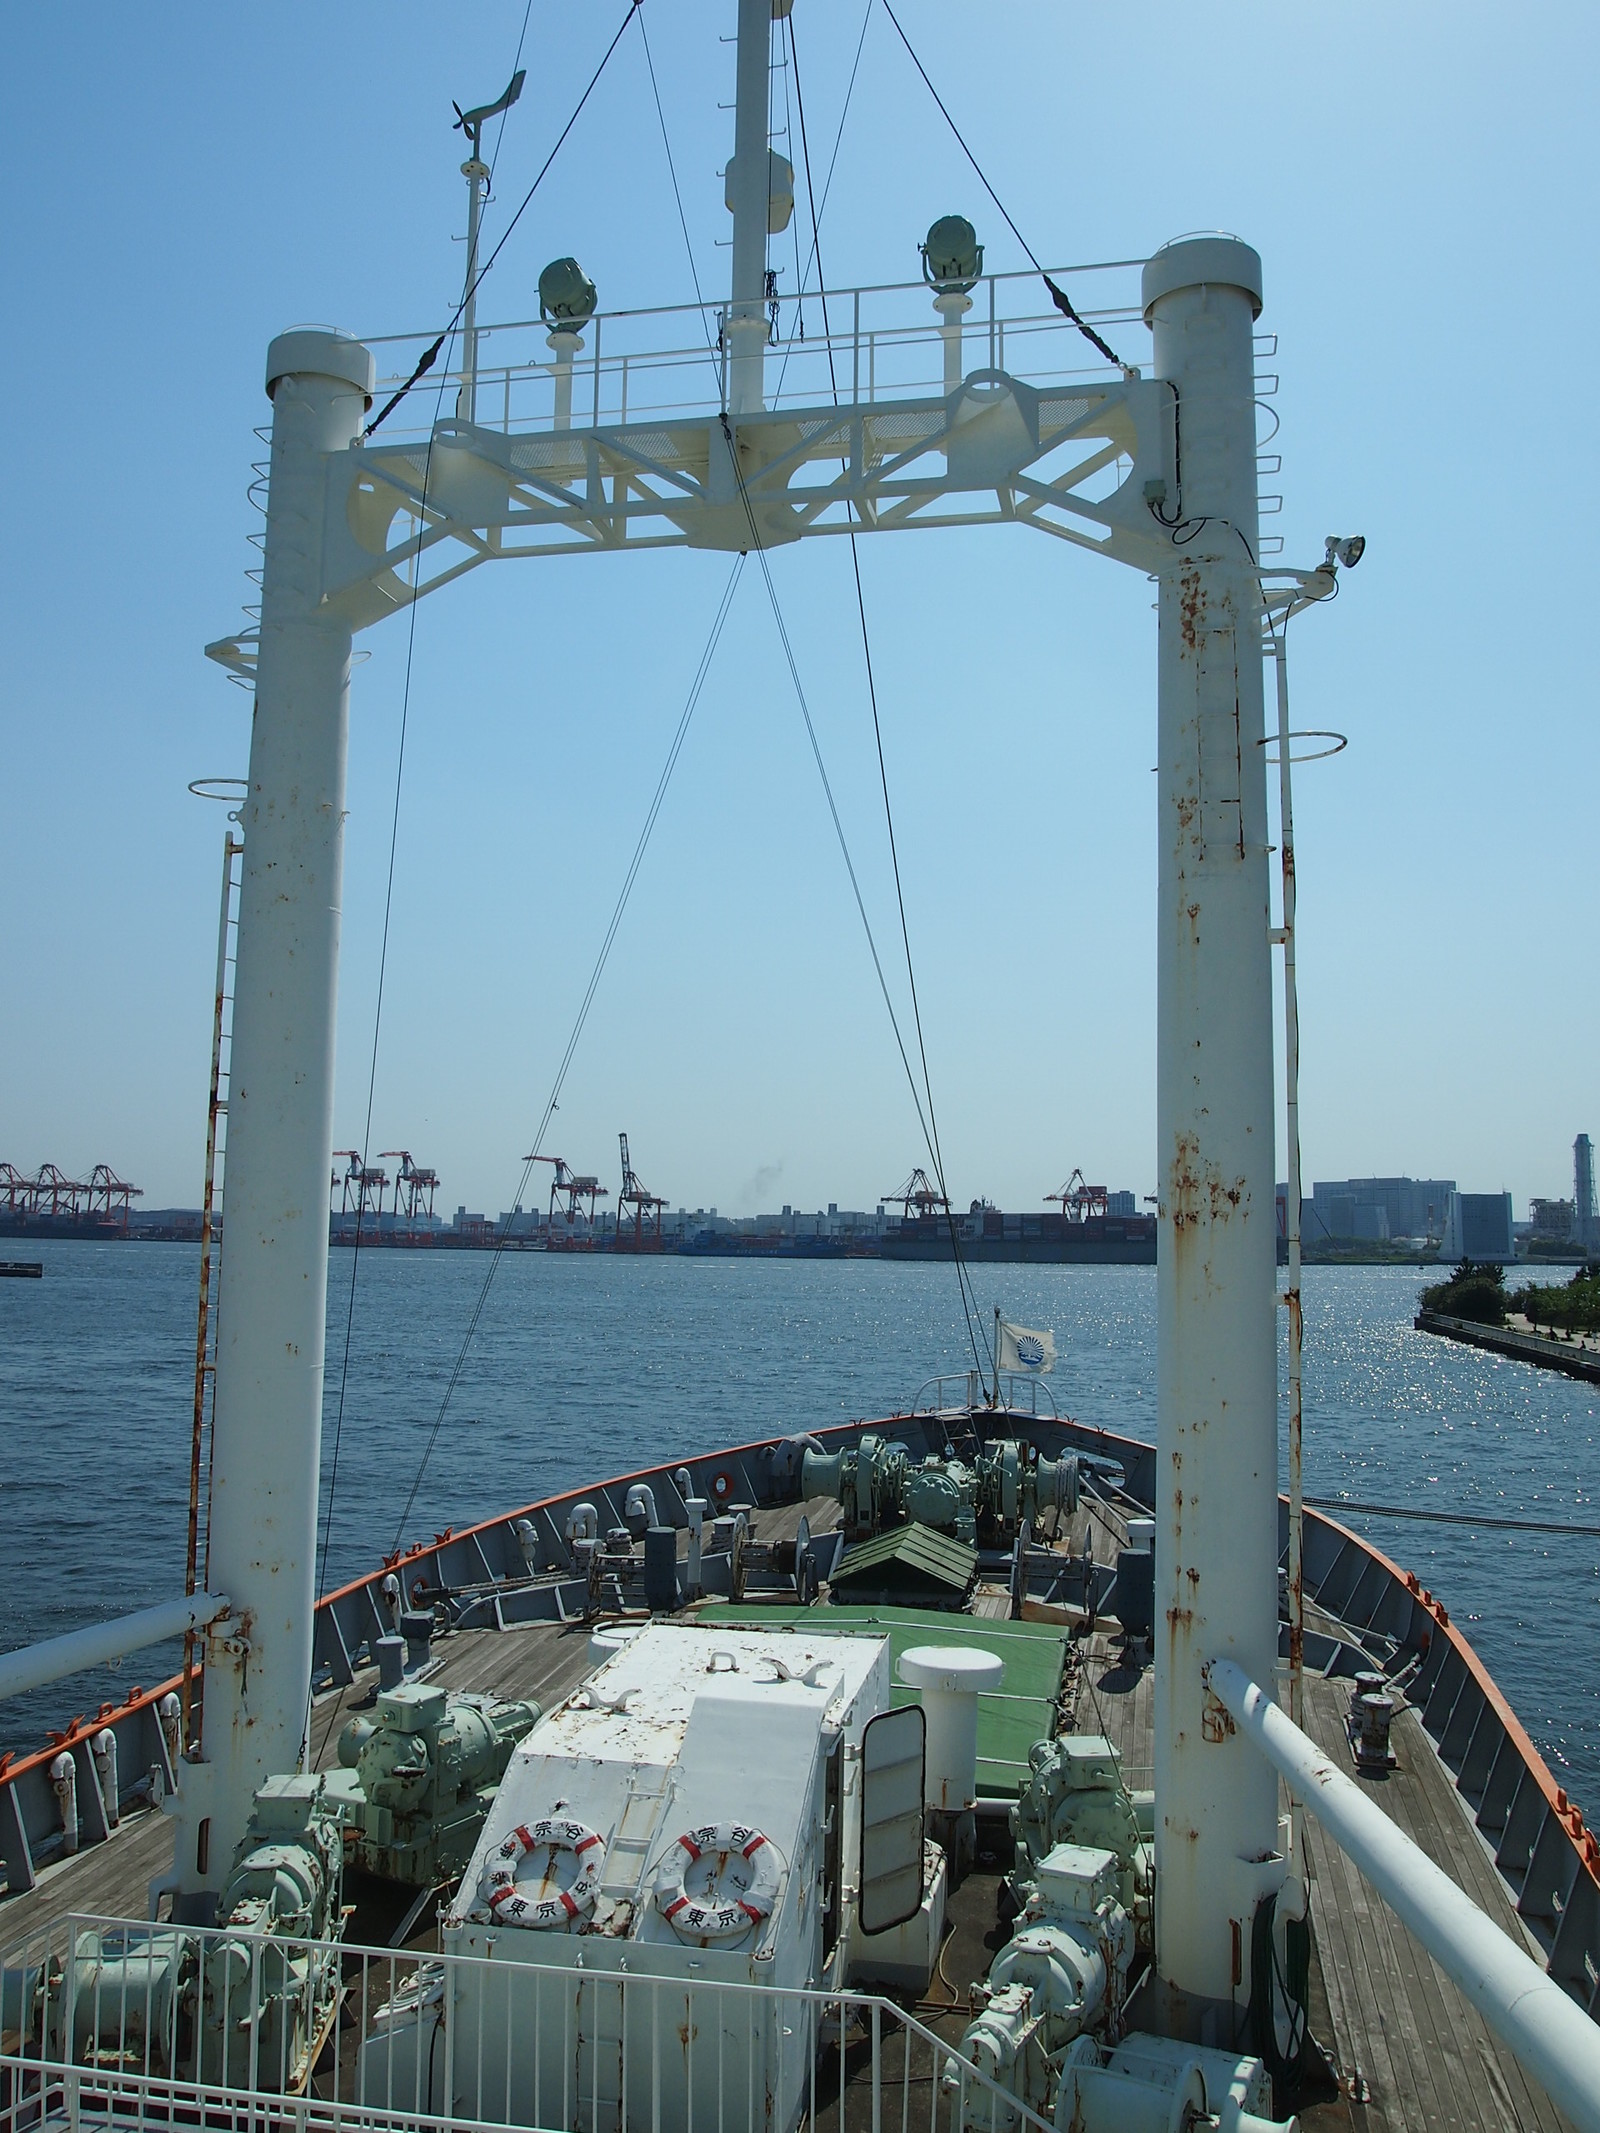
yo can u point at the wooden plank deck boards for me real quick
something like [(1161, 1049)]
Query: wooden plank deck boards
[(1424, 2053), (543, 1661), (1117, 1698), (1380, 2004), (111, 1879)]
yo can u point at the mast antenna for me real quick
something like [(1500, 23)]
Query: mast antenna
[(476, 172)]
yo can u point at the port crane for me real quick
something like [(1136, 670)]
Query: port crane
[(566, 1180), (1079, 1200), (646, 1209), (53, 1196), (361, 1186), (111, 1196), (412, 1185), (920, 1192)]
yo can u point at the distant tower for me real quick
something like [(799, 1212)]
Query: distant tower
[(1585, 1224)]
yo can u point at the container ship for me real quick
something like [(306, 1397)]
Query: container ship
[(988, 1234), (975, 1766)]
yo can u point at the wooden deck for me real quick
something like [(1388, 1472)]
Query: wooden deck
[(1400, 2036), (1410, 2054), (1401, 2033)]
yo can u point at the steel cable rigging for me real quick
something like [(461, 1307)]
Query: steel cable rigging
[(931, 1124), (928, 1122), (696, 689), (424, 365), (1058, 296)]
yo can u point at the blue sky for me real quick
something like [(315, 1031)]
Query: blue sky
[(184, 182)]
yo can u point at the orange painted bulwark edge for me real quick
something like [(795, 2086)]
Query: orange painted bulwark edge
[(84, 1729), (1556, 1800)]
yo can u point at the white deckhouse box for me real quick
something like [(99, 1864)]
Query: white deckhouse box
[(673, 1852)]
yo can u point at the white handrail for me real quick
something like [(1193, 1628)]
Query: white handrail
[(1525, 2007), (35, 1664), (429, 2041)]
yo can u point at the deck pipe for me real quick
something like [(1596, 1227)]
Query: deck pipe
[(57, 1657), (1552, 2037), (267, 1425), (64, 1781), (103, 1750), (1216, 1557)]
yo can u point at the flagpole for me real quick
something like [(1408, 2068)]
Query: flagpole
[(996, 1401)]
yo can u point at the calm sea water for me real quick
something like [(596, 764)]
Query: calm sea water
[(590, 1366)]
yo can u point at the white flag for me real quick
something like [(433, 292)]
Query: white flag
[(1023, 1349)]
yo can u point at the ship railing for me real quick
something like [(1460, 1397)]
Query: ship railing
[(965, 1392), (669, 363), (106, 2021)]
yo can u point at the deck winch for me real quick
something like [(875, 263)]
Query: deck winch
[(251, 2005), (417, 1778), (985, 1500), (1075, 1795), (1047, 2027), (1063, 1972)]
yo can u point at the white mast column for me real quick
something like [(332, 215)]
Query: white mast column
[(748, 182), (1216, 1497), (268, 1428)]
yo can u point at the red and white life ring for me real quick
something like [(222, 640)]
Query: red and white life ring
[(718, 1881), (722, 1486), (555, 1834)]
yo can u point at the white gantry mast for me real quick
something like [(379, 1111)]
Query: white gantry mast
[(356, 530), (1217, 1846), (267, 1428)]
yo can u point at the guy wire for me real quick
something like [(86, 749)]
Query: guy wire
[(695, 691), (969, 1302)]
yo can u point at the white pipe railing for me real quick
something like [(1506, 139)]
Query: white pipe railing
[(1550, 2034), (145, 2024), (34, 1665)]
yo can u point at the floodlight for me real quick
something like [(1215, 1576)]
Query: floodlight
[(567, 296), (1348, 552), (952, 258)]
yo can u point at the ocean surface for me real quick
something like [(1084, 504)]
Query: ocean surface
[(584, 1367)]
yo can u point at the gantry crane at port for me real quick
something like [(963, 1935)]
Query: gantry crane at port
[(566, 1180), (919, 1192), (412, 1185), (362, 1188), (646, 1233), (53, 1196), (1079, 1200)]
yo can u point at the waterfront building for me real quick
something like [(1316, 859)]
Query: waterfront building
[(1478, 1226), (1552, 1219), (1374, 1210)]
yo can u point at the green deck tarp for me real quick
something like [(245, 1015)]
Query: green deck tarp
[(1018, 1713)]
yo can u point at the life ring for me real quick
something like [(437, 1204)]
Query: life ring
[(555, 1833), (722, 1486), (718, 1881)]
